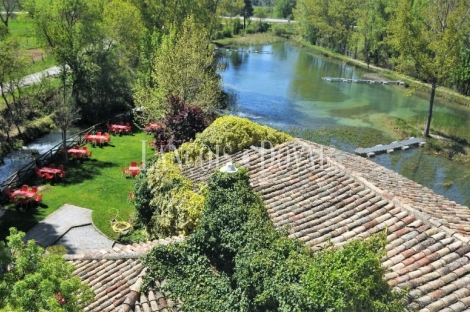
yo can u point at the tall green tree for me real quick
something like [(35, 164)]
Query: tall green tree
[(66, 113), (426, 34), (372, 23), (73, 31), (184, 65), (13, 64), (123, 24), (283, 8), (165, 15), (247, 11), (7, 9)]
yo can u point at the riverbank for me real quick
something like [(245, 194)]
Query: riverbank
[(29, 132)]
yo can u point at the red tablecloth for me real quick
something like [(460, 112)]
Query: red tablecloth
[(76, 151), (97, 138), (121, 127), (53, 171), (134, 168), (27, 194)]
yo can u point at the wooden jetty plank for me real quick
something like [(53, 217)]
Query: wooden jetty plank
[(340, 79), (405, 144)]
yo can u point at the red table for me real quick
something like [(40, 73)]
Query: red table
[(134, 170), (53, 171), (118, 127), (27, 194), (76, 151)]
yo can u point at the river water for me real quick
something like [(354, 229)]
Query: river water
[(282, 86), (19, 158)]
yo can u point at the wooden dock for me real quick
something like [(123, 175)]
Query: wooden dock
[(370, 81), (403, 145)]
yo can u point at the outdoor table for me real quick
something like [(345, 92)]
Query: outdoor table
[(134, 170), (53, 171), (76, 151), (117, 128), (94, 137), (24, 194)]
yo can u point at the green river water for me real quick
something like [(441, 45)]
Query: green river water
[(282, 86)]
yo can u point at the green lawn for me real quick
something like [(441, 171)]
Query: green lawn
[(24, 30), (96, 184)]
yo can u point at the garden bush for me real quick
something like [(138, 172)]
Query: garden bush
[(228, 135), (180, 124), (174, 207), (30, 280)]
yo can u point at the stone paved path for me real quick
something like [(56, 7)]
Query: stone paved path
[(70, 226)]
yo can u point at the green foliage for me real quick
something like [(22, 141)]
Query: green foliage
[(135, 235), (350, 278), (184, 66), (174, 208), (34, 281), (227, 135), (230, 134), (283, 8), (58, 250), (236, 260)]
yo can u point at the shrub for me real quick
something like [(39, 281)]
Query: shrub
[(174, 208), (230, 134), (279, 30), (38, 282), (180, 124)]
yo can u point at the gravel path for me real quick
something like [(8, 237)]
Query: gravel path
[(70, 226)]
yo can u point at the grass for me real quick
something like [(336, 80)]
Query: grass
[(24, 30), (252, 39), (96, 184)]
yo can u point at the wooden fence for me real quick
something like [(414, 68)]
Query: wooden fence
[(19, 177)]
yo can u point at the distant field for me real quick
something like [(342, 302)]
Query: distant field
[(25, 31)]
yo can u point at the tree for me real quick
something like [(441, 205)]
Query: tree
[(247, 11), (72, 29), (165, 15), (372, 25), (13, 63), (426, 36), (184, 65), (8, 8), (283, 8), (66, 114), (260, 13), (30, 280), (122, 23), (231, 7)]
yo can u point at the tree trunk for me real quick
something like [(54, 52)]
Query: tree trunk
[(244, 20), (431, 103), (64, 144)]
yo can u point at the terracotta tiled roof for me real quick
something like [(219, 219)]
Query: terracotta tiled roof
[(115, 276), (325, 194)]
